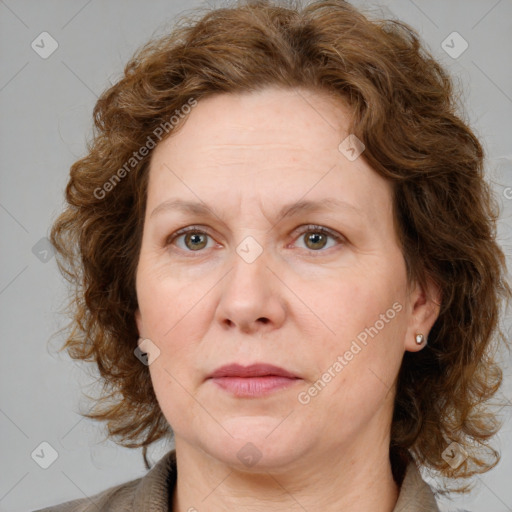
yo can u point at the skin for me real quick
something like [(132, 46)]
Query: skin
[(299, 305)]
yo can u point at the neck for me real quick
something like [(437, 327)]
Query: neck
[(353, 484)]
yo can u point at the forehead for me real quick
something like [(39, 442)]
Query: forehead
[(292, 119), (272, 146)]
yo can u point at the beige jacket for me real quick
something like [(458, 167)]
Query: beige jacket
[(151, 492)]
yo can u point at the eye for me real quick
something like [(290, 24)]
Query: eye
[(194, 238), (316, 237)]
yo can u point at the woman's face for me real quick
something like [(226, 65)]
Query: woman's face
[(256, 282)]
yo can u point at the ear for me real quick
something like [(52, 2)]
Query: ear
[(425, 304), (138, 321)]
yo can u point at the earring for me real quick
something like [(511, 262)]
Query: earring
[(419, 339)]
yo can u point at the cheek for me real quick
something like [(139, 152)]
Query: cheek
[(175, 316), (176, 372), (165, 300), (361, 301), (358, 365), (368, 317)]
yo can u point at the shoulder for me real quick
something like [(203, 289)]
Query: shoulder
[(415, 494), (118, 497), (150, 492), (456, 510)]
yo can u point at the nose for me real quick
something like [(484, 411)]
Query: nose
[(252, 297)]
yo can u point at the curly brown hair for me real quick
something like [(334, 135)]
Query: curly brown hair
[(406, 112)]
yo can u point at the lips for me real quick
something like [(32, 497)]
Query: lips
[(254, 381), (254, 370)]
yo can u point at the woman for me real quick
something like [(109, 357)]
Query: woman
[(284, 252)]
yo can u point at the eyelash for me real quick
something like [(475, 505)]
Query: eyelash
[(307, 228)]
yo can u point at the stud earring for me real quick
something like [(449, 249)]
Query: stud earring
[(419, 339)]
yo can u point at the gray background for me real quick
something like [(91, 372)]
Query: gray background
[(46, 107)]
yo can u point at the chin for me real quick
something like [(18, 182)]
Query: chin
[(255, 444)]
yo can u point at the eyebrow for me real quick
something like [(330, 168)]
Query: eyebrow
[(288, 210)]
